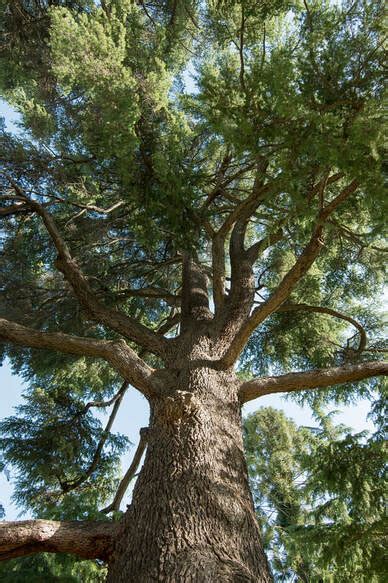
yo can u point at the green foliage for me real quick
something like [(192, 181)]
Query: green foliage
[(51, 568), (319, 495), (51, 442), (107, 119), (88, 54), (133, 114)]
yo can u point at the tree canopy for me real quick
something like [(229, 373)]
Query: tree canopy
[(136, 165), (214, 162)]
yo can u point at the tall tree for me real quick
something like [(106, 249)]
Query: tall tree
[(161, 229)]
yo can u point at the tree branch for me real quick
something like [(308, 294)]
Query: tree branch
[(150, 292), (259, 247), (130, 473), (104, 404), (117, 399), (323, 310), (290, 280), (113, 319), (169, 323), (117, 353), (240, 261), (23, 336), (14, 209), (315, 379), (88, 540), (240, 214)]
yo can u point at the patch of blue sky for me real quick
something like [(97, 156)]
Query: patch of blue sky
[(11, 117)]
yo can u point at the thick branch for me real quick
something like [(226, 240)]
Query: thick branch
[(14, 209), (240, 215), (321, 185), (282, 292), (242, 281), (169, 323), (117, 353), (290, 280), (88, 540), (259, 247), (23, 336), (315, 379), (245, 208)]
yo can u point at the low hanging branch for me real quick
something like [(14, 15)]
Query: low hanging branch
[(314, 379), (113, 319), (117, 399), (87, 540)]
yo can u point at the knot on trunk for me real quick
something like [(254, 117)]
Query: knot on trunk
[(176, 407)]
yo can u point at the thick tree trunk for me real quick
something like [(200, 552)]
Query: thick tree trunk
[(192, 518)]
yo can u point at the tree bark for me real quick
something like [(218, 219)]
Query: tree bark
[(88, 540), (192, 517)]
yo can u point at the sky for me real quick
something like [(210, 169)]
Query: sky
[(133, 413)]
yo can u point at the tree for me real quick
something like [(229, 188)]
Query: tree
[(165, 235), (319, 493)]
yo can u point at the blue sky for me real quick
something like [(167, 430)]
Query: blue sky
[(133, 413)]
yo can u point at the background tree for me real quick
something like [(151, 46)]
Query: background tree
[(319, 494), (155, 235)]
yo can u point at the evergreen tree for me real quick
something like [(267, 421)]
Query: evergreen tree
[(319, 495), (161, 233)]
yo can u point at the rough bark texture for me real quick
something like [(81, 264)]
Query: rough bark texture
[(88, 540), (192, 516)]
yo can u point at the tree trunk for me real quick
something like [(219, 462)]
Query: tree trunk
[(192, 517)]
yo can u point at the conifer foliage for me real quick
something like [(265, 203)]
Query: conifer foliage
[(192, 206), (319, 493)]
